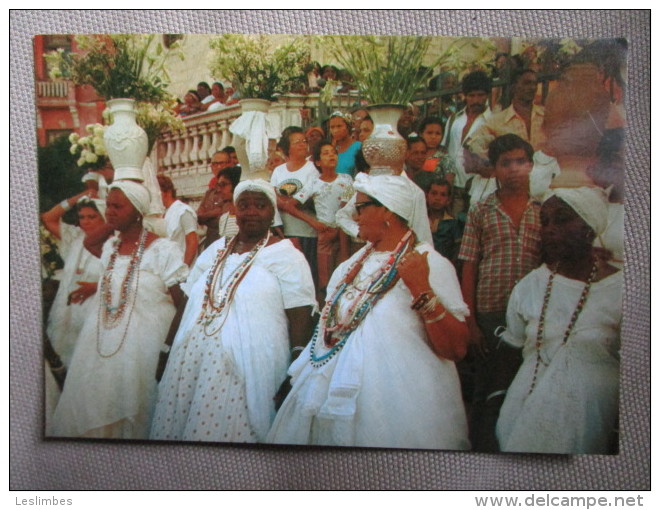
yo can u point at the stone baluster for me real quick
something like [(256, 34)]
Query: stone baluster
[(226, 135), (169, 144), (206, 142), (177, 156), (193, 155), (187, 146), (215, 140)]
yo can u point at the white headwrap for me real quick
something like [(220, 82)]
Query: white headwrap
[(401, 196), (98, 203), (259, 186), (138, 195), (589, 203), (390, 190)]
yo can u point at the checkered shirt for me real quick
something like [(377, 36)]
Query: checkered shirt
[(503, 254)]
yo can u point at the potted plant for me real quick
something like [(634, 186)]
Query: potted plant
[(387, 71), (259, 72), (122, 68)]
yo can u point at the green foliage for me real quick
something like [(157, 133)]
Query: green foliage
[(385, 69), (255, 69), (59, 176), (116, 65), (391, 69)]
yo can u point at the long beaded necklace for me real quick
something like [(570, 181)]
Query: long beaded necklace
[(218, 292), (540, 332), (111, 316), (335, 333)]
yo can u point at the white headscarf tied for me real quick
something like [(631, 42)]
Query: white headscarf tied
[(259, 186), (98, 203), (589, 203), (390, 190), (138, 195)]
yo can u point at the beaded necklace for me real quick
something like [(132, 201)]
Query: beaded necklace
[(219, 292), (335, 333), (111, 316), (540, 332)]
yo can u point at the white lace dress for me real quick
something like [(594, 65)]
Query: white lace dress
[(65, 321), (221, 387), (574, 404), (110, 387), (386, 387)]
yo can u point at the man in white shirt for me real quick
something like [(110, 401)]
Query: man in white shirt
[(461, 126)]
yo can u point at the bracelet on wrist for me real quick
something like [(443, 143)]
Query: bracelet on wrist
[(431, 320), (422, 300), (165, 349), (495, 394), (64, 204)]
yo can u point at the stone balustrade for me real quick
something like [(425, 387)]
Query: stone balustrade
[(185, 157)]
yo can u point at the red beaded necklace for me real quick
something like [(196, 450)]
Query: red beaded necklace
[(111, 316), (540, 332)]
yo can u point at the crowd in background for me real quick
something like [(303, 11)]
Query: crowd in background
[(470, 300)]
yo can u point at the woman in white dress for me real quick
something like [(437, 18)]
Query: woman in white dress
[(380, 369), (77, 282), (111, 386), (180, 220), (250, 300), (566, 318)]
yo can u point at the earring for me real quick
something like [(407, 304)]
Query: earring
[(387, 224)]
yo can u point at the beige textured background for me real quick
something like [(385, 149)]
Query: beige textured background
[(39, 464)]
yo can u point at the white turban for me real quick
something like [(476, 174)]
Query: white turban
[(259, 186), (138, 195), (589, 203), (390, 190), (97, 202)]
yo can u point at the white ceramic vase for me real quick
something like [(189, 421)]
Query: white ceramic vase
[(125, 141), (385, 149)]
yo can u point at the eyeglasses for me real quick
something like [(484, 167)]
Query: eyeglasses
[(220, 162), (361, 205), (299, 141)]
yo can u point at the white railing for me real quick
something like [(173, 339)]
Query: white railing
[(185, 157), (53, 88)]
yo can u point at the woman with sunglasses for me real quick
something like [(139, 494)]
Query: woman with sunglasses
[(380, 368)]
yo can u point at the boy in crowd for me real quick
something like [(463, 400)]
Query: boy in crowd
[(446, 229), (330, 191), (500, 245)]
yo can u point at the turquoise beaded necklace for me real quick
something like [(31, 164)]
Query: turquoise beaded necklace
[(335, 334)]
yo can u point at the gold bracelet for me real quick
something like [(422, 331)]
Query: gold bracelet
[(436, 319)]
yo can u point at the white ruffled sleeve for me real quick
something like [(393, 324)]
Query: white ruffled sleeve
[(444, 282), (294, 275), (171, 268)]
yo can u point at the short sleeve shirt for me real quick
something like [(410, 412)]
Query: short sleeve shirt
[(503, 254)]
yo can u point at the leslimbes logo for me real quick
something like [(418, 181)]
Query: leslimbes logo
[(37, 501)]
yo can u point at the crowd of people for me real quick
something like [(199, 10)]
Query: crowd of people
[(469, 300)]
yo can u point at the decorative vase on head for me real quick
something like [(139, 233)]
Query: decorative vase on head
[(125, 141), (385, 148)]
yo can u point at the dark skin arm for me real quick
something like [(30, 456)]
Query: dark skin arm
[(180, 301), (51, 218), (469, 289), (448, 337), (300, 330)]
